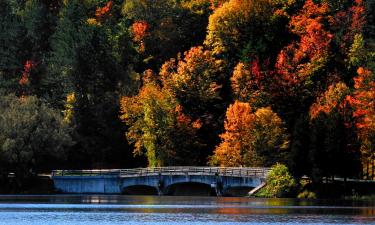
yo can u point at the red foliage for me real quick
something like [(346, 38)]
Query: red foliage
[(139, 29), (333, 98), (28, 67), (358, 17), (184, 120), (103, 12), (349, 22), (363, 100), (296, 61)]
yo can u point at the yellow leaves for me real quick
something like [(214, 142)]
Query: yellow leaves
[(226, 24), (69, 107), (271, 128), (92, 21), (194, 76), (332, 99), (71, 98), (245, 82), (154, 120)]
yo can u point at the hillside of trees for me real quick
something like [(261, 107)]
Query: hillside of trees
[(136, 83)]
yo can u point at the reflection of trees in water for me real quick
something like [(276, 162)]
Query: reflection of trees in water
[(368, 211), (249, 211)]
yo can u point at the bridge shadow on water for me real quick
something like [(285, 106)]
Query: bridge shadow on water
[(185, 189), (140, 190)]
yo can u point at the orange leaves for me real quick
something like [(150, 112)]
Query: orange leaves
[(363, 99), (238, 118), (28, 67), (247, 81), (103, 12), (358, 17), (298, 60), (184, 120), (316, 40), (333, 98), (250, 139), (237, 125), (308, 24), (140, 29), (363, 103), (194, 77), (310, 11)]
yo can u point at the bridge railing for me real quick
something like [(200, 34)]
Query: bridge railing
[(158, 171)]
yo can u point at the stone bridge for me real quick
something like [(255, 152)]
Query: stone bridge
[(235, 181)]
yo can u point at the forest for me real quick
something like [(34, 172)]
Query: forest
[(90, 84)]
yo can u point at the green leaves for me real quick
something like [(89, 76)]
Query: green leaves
[(32, 135), (279, 182)]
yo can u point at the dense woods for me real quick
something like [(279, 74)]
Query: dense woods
[(136, 83)]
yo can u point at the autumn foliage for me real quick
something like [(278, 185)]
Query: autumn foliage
[(196, 82), (194, 79), (139, 30), (251, 138), (362, 100), (333, 98), (25, 78), (235, 140), (301, 59), (103, 12), (158, 127)]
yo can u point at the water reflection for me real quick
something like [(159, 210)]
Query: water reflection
[(109, 209)]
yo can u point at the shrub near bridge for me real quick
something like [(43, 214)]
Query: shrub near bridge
[(279, 183)]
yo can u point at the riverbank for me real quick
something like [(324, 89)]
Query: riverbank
[(340, 189), (35, 185)]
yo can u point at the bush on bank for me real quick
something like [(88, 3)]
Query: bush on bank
[(280, 183)]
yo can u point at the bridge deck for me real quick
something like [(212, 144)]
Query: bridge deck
[(210, 171)]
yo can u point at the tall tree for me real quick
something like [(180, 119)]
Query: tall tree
[(362, 100), (244, 29), (197, 82), (334, 150), (33, 136), (159, 129), (251, 139)]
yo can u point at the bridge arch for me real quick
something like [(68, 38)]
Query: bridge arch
[(189, 189)]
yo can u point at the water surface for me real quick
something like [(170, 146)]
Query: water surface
[(139, 210)]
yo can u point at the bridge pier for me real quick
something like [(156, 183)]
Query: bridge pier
[(219, 186), (160, 186)]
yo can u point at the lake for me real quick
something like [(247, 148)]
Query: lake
[(145, 210)]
